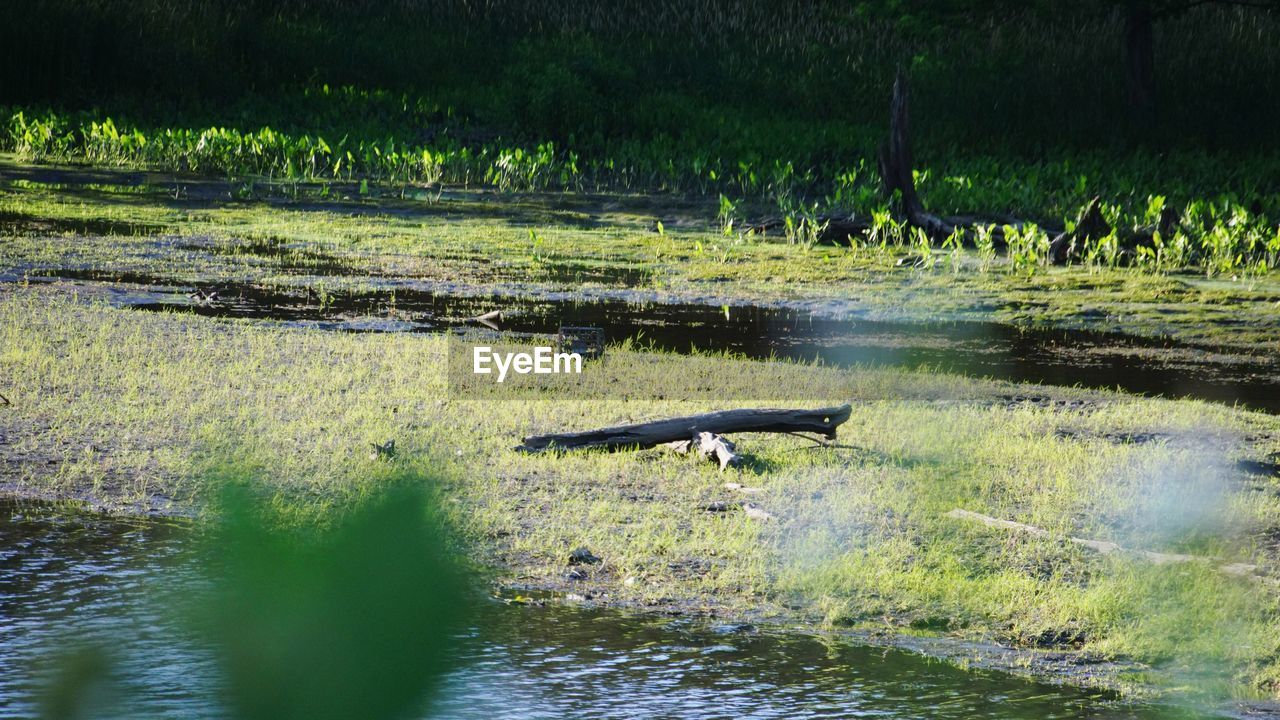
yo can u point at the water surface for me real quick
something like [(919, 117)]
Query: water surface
[(71, 579)]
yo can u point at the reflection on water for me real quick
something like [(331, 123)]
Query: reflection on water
[(71, 579)]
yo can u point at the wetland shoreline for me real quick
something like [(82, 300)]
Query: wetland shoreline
[(126, 410)]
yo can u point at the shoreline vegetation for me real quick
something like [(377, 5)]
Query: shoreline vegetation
[(1227, 233), (128, 410), (548, 98), (314, 238), (663, 152)]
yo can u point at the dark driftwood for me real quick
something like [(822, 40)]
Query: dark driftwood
[(1091, 225), (823, 421)]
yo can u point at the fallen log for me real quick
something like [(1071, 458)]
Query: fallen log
[(822, 421), (1105, 547), (1090, 225)]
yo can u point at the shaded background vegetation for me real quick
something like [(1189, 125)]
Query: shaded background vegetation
[(1019, 107), (591, 73)]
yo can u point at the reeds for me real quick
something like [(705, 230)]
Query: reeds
[(749, 99)]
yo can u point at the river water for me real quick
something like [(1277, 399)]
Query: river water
[(69, 580)]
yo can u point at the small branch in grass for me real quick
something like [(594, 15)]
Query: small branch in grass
[(818, 441), (1105, 547), (4, 401), (826, 446)]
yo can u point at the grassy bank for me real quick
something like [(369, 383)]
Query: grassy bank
[(128, 410), (340, 243)]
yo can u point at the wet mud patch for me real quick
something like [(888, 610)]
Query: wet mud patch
[(1124, 437), (520, 209), (32, 449), (1268, 468), (650, 320), (571, 271)]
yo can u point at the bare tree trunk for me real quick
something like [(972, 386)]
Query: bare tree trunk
[(1139, 34), (897, 166)]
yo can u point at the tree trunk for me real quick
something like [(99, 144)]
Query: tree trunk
[(1139, 33), (897, 167)]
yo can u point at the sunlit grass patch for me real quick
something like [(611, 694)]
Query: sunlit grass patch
[(132, 409)]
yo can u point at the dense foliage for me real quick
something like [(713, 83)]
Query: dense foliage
[(1017, 110)]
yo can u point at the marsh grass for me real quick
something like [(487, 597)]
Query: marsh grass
[(471, 241), (1228, 229), (579, 98), (131, 409)]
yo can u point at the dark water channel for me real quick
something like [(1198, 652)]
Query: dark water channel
[(70, 579), (1049, 356)]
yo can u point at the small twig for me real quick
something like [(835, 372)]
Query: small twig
[(5, 400), (832, 446), (1105, 547), (821, 442)]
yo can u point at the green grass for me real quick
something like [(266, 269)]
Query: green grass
[(1218, 230), (130, 410), (1017, 114), (281, 234), (410, 142)]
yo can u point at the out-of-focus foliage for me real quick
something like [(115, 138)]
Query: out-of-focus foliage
[(353, 620), (354, 617)]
